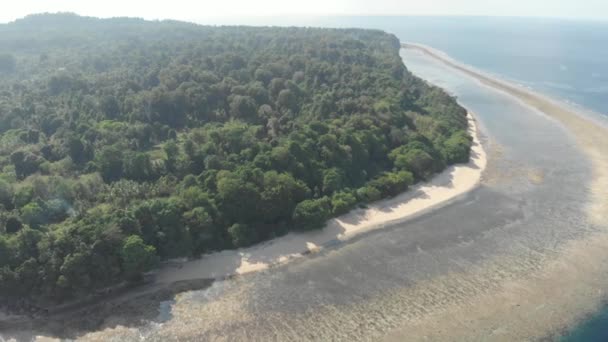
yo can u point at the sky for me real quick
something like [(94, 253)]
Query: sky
[(228, 11)]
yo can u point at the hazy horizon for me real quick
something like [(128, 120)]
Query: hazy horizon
[(305, 20), (240, 10)]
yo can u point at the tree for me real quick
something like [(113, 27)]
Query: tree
[(342, 202), (280, 194), (238, 198), (287, 99), (275, 86), (137, 257), (60, 83), (332, 181), (56, 210), (9, 284), (161, 226), (168, 107), (414, 159), (25, 163), (202, 230), (193, 196), (33, 215), (312, 214), (109, 106), (27, 275), (171, 152), (137, 166), (368, 194), (243, 107), (456, 149), (5, 254), (8, 63), (23, 195), (242, 235), (392, 183), (76, 149), (74, 272), (12, 225), (6, 194), (110, 163), (263, 76)]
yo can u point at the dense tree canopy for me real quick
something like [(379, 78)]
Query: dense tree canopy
[(124, 142)]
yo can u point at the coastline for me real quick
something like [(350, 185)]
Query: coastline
[(138, 304), (516, 294), (563, 289), (588, 132), (443, 188)]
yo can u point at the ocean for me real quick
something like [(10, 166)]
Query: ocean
[(564, 59), (567, 60)]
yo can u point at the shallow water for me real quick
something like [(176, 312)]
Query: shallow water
[(530, 203)]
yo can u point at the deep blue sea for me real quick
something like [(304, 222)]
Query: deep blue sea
[(565, 59)]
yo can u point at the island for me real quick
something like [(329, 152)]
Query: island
[(125, 143)]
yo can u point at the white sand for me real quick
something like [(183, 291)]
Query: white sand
[(450, 184)]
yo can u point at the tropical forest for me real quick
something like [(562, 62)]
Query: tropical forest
[(125, 143)]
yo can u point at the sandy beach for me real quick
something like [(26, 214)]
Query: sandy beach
[(444, 187)]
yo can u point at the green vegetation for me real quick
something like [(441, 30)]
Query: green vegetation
[(125, 142)]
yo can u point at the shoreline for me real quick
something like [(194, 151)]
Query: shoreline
[(527, 295), (178, 276), (138, 304), (442, 189), (587, 131), (563, 290)]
